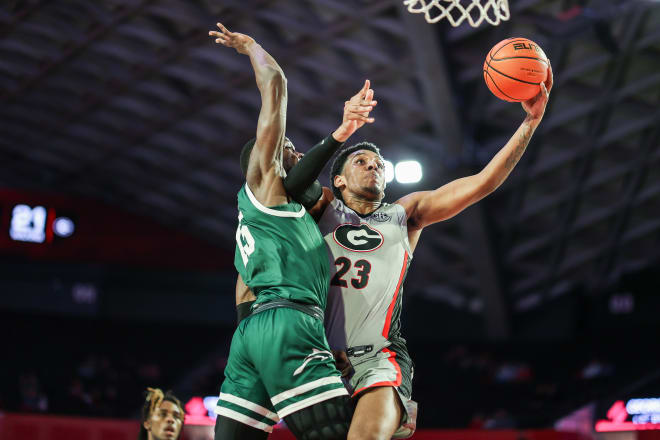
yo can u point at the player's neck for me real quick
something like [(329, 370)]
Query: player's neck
[(360, 204)]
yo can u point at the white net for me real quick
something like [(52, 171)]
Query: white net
[(457, 11)]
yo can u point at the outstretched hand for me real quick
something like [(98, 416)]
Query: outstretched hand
[(238, 41), (535, 107), (356, 112)]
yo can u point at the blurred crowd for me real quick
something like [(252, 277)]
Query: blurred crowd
[(485, 386), (102, 385), (502, 387)]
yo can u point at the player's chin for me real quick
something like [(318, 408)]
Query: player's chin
[(375, 191)]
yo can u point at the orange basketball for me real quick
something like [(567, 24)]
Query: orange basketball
[(514, 68)]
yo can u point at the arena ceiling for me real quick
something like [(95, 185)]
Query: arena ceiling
[(130, 102)]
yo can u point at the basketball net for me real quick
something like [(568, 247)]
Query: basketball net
[(493, 11)]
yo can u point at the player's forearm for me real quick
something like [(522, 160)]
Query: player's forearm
[(265, 67), (272, 117), (310, 166), (499, 168)]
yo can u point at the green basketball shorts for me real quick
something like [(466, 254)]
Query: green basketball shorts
[(279, 363)]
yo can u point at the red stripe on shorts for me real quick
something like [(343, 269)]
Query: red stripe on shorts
[(388, 383), (388, 317)]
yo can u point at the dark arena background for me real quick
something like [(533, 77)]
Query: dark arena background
[(534, 314)]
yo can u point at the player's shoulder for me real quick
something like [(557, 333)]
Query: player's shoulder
[(410, 202), (389, 212)]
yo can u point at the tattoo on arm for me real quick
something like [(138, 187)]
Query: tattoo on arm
[(523, 140)]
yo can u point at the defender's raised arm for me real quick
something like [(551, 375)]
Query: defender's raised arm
[(265, 160)]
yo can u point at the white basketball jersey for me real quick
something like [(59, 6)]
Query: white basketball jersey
[(369, 259)]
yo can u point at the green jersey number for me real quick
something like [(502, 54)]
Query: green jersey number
[(244, 240)]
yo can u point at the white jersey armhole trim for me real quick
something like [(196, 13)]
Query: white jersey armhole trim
[(269, 211), (404, 229)]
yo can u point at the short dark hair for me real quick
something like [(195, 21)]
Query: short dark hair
[(340, 161), (154, 398), (245, 155)]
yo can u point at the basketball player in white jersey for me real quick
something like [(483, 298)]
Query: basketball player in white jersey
[(370, 245)]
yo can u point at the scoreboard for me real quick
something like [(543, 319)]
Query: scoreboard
[(37, 224), (61, 228)]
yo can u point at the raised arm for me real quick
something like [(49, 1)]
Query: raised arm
[(265, 160), (300, 182), (428, 207)]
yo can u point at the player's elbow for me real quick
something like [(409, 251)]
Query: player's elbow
[(271, 78)]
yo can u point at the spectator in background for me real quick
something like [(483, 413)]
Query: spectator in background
[(32, 397), (162, 416)]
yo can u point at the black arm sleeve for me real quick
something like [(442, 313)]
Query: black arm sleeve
[(311, 195), (301, 183)]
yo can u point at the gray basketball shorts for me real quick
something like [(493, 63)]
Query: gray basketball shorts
[(390, 366)]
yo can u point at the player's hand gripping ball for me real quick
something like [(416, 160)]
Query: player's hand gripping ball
[(514, 69)]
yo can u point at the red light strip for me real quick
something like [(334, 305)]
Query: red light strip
[(607, 426)]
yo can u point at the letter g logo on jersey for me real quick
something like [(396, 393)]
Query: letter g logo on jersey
[(359, 238)]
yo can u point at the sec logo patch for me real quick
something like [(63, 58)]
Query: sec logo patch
[(381, 217)]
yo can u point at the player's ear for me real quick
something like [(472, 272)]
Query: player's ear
[(339, 181), (147, 425)]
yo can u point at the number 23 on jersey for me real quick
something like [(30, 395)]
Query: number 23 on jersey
[(364, 269)]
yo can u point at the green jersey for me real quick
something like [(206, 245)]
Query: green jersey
[(280, 252)]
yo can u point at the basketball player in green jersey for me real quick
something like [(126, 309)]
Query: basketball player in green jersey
[(279, 365)]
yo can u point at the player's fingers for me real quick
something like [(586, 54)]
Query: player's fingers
[(358, 117), (360, 108), (361, 93), (224, 29), (369, 96), (550, 79), (366, 86), (544, 90)]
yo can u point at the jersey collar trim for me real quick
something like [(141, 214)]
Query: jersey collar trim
[(270, 211), (363, 216)]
